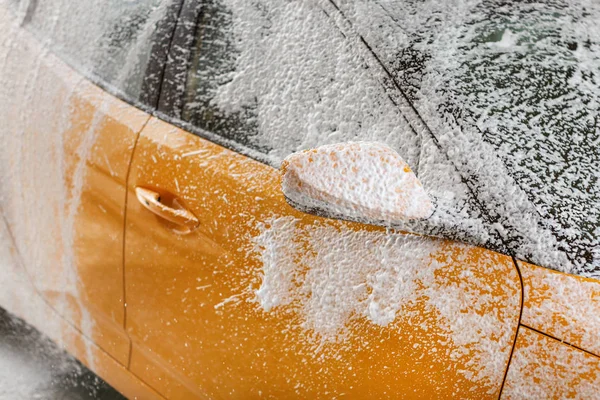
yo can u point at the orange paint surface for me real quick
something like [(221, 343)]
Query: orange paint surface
[(545, 368), (564, 306), (198, 330)]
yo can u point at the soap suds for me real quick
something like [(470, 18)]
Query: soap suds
[(563, 306), (334, 277), (545, 368), (507, 89)]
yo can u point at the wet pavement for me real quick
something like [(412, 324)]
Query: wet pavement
[(32, 367)]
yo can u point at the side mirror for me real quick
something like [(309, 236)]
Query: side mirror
[(359, 181)]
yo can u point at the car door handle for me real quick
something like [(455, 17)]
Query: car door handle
[(178, 215)]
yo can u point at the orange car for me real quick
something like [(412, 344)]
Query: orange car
[(314, 199)]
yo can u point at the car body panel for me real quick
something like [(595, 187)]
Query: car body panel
[(202, 321), (99, 224), (21, 299), (68, 145), (561, 305), (194, 313), (544, 368)]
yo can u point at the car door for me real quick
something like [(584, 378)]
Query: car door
[(67, 146), (232, 293)]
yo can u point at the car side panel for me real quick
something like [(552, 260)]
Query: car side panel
[(202, 326), (564, 306), (66, 147), (544, 368), (16, 285)]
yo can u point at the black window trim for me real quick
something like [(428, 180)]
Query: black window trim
[(154, 76)]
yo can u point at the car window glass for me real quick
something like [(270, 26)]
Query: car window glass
[(14, 3), (17, 7), (278, 77), (110, 40), (511, 89)]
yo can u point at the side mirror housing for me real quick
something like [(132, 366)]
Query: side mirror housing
[(359, 181)]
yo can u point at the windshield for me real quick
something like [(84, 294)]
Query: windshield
[(511, 91)]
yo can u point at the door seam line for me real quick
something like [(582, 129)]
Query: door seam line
[(560, 340), (124, 289), (514, 344)]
